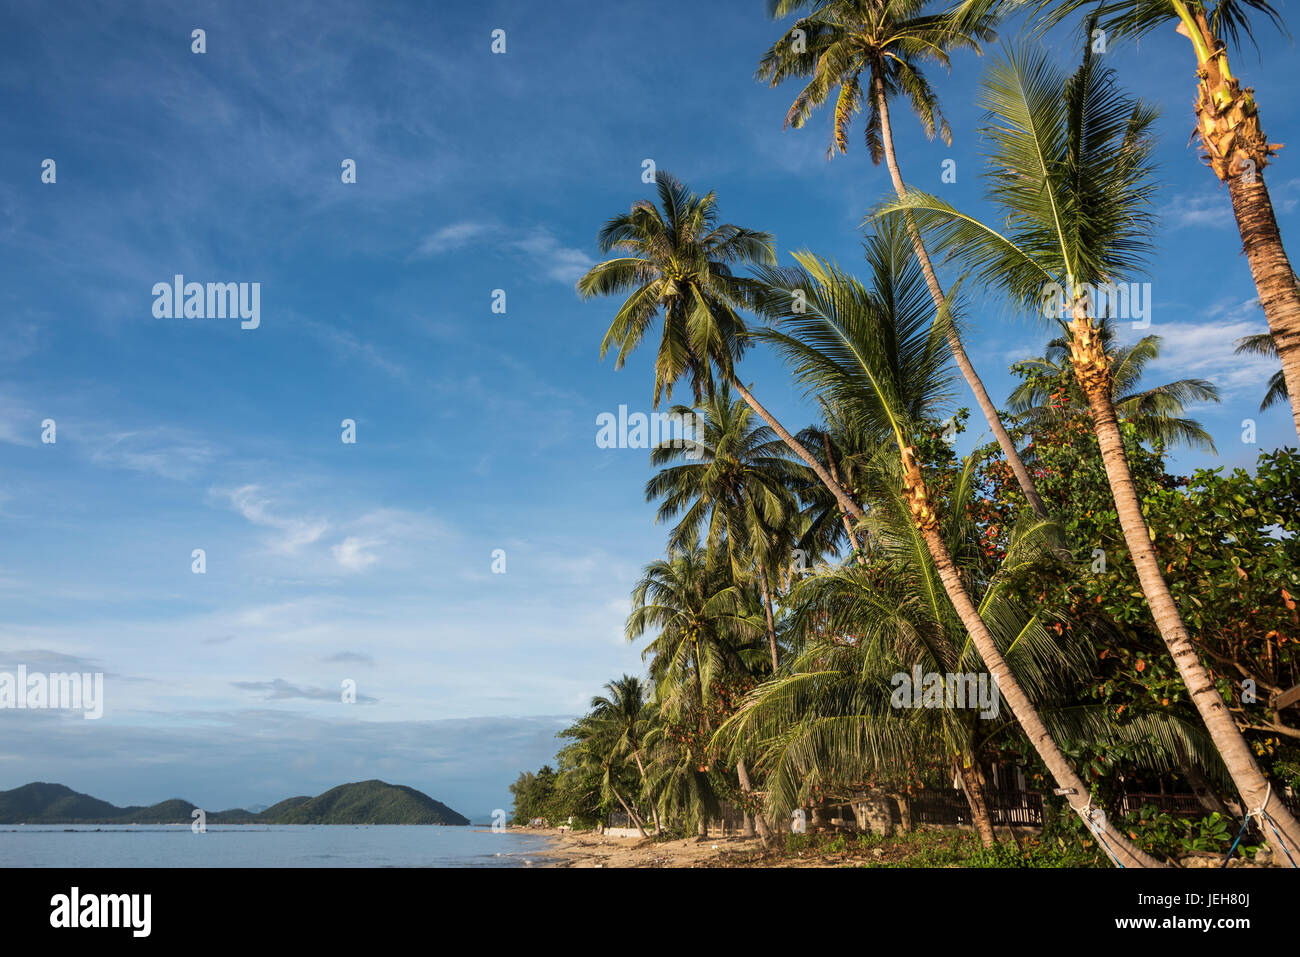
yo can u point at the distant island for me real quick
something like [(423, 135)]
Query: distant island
[(366, 802)]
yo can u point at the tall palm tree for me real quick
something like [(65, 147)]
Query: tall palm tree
[(626, 708), (1072, 161), (1263, 345), (731, 485), (1156, 413), (831, 719), (876, 49), (707, 630), (1228, 126), (677, 262), (881, 354)]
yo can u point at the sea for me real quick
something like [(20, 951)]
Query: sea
[(253, 845)]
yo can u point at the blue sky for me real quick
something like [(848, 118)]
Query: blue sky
[(475, 430)]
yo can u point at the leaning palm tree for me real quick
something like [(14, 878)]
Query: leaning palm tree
[(597, 753), (677, 263), (1156, 412), (731, 485), (707, 630), (627, 710), (1263, 345), (1228, 127), (1072, 157), (881, 354), (877, 50), (835, 717)]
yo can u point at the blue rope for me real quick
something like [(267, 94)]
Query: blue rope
[(1099, 832), (1269, 818), (1245, 823)]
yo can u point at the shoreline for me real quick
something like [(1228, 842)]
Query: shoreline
[(587, 849)]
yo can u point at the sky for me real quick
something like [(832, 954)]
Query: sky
[(372, 561)]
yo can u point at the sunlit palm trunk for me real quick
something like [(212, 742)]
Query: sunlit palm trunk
[(1274, 278), (972, 783), (1238, 151), (1023, 709), (954, 340), (846, 501), (1017, 700), (1091, 367)]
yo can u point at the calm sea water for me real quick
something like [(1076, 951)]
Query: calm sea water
[(266, 846)]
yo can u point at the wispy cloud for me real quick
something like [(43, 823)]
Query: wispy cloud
[(295, 532), (1212, 209), (454, 236), (171, 453), (1207, 350), (544, 253)]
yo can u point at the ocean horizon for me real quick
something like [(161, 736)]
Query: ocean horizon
[(262, 845)]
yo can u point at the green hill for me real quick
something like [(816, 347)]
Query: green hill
[(366, 802), (54, 804), (369, 802)]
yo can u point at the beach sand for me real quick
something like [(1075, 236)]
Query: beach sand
[(588, 849)]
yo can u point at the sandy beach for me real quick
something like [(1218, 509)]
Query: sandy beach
[(589, 849)]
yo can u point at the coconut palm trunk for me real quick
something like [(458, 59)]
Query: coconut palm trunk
[(972, 783), (767, 613), (1092, 369), (1228, 124), (835, 476), (846, 501), (742, 772), (1075, 791), (631, 812), (654, 811), (959, 355)]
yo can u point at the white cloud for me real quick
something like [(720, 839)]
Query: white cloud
[(295, 532), (168, 452), (1205, 350), (454, 236), (544, 252), (1202, 209), (352, 554), (561, 263)]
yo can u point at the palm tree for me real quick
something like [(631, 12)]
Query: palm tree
[(1072, 161), (832, 719), (626, 709), (730, 483), (596, 753), (1263, 345), (678, 262), (848, 453), (1228, 126), (707, 631), (1156, 413), (881, 355), (880, 47)]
